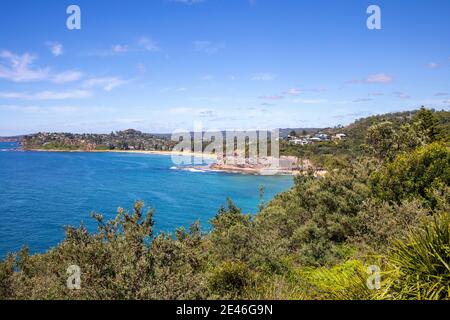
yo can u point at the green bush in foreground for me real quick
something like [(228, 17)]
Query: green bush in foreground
[(345, 281), (414, 175), (123, 260), (419, 268), (230, 279)]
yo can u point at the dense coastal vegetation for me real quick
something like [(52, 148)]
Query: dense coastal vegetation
[(330, 153), (385, 202), (121, 140)]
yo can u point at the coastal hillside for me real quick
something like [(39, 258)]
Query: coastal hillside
[(386, 211), (357, 130), (16, 139), (136, 140), (121, 140), (395, 126)]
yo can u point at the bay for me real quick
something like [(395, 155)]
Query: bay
[(42, 192)]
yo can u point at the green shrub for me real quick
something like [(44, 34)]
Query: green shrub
[(419, 268), (6, 277), (344, 281), (378, 223), (230, 280), (417, 174)]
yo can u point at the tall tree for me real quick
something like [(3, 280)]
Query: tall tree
[(381, 139), (428, 123)]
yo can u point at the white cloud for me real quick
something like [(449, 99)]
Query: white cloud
[(47, 95), (118, 48), (19, 108), (401, 95), (113, 50), (263, 76), (275, 97), (67, 76), (106, 83), (379, 78), (293, 92), (432, 65), (374, 78), (56, 48), (142, 43), (358, 100), (18, 68), (149, 45), (171, 89)]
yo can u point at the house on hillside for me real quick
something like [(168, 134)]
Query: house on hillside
[(299, 142), (322, 137), (340, 136)]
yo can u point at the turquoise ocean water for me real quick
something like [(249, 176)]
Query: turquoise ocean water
[(42, 192)]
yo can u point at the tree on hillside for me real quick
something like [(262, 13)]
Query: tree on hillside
[(416, 174), (381, 138), (428, 123)]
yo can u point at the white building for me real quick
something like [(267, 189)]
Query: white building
[(340, 136)]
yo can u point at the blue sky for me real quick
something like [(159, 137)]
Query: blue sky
[(160, 65)]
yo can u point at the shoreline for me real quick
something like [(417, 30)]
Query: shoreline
[(213, 167), (253, 171)]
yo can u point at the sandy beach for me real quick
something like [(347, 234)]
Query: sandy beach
[(165, 153)]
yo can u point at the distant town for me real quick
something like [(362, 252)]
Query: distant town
[(306, 139)]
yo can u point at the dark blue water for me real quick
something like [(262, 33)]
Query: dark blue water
[(41, 192)]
